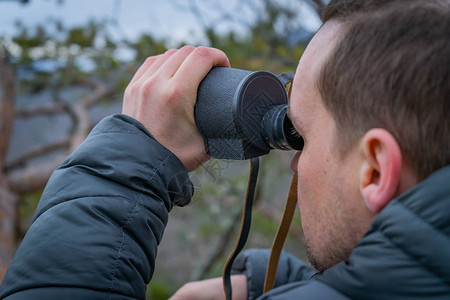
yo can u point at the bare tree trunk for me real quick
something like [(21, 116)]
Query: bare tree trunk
[(8, 199), (21, 177), (8, 228)]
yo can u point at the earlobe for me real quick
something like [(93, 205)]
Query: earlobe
[(381, 168)]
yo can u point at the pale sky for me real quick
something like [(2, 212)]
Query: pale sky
[(171, 19)]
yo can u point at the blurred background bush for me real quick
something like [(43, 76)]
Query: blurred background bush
[(65, 68)]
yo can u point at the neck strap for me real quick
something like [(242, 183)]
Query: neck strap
[(280, 237), (245, 225)]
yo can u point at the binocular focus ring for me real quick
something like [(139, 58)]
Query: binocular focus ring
[(278, 130)]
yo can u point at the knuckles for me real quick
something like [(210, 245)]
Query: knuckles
[(149, 60), (188, 48), (203, 52), (147, 89), (168, 93), (211, 56), (170, 51), (173, 94)]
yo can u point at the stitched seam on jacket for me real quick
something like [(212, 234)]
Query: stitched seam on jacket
[(121, 245), (139, 133), (49, 206), (420, 218), (114, 222), (122, 131), (160, 165), (427, 224), (430, 270), (150, 179), (143, 135)]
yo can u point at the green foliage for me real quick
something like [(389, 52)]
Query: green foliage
[(27, 39), (265, 226), (147, 46), (265, 47), (222, 184), (82, 36), (27, 207), (159, 289), (68, 55)]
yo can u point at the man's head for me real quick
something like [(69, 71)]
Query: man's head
[(371, 99)]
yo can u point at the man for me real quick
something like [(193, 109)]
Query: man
[(371, 99)]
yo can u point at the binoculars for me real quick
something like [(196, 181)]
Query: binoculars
[(243, 114)]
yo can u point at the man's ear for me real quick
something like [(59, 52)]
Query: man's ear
[(381, 168)]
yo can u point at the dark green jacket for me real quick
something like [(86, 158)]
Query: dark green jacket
[(404, 255), (103, 213)]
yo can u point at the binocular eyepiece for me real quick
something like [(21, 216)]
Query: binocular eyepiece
[(278, 131), (243, 114)]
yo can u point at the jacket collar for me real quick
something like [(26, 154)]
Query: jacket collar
[(404, 254)]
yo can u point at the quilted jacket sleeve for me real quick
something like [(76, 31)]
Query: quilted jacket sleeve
[(253, 263), (96, 229), (294, 280)]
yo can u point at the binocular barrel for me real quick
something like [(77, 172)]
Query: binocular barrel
[(243, 114)]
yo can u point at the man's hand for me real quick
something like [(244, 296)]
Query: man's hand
[(162, 96), (212, 289)]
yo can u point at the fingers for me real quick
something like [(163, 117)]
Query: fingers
[(189, 62), (156, 64), (202, 59), (171, 65), (143, 68), (168, 83), (151, 65)]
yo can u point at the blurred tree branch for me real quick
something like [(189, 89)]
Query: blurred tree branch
[(7, 101), (32, 177), (55, 108), (263, 48), (224, 239), (36, 152), (214, 255), (29, 172)]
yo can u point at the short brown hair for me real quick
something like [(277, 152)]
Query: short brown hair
[(344, 9), (391, 70)]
